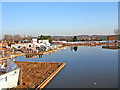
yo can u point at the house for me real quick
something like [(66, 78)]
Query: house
[(43, 41), (21, 45), (58, 42), (4, 43), (25, 41), (105, 38), (46, 42), (9, 74), (19, 42), (112, 38), (34, 40)]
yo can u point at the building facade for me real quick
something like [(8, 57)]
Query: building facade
[(111, 38)]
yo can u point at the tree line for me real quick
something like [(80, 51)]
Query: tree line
[(16, 37)]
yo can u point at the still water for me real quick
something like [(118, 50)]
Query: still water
[(86, 67)]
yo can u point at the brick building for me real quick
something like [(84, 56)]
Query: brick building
[(112, 38)]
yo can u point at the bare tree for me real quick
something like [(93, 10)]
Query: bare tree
[(24, 37), (29, 37), (17, 37), (117, 31), (8, 37)]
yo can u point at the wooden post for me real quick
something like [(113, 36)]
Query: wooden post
[(13, 53), (21, 75), (3, 54), (7, 57), (10, 53), (0, 55)]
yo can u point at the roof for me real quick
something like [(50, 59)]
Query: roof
[(3, 49)]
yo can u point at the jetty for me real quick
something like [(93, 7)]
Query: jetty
[(41, 53), (12, 56), (47, 52)]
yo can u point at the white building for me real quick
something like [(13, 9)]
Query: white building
[(34, 40), (9, 78), (43, 41), (46, 42), (58, 41), (21, 45)]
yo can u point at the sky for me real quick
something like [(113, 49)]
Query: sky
[(59, 18)]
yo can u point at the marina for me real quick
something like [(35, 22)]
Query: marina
[(59, 45), (29, 53), (84, 67), (32, 57)]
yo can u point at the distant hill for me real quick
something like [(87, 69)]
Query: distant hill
[(80, 37)]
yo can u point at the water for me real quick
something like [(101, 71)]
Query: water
[(87, 67)]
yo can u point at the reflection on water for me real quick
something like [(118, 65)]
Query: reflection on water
[(74, 48), (86, 67), (33, 56), (40, 56), (30, 56), (71, 48), (111, 47)]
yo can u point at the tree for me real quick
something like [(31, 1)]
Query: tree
[(17, 37), (8, 37), (24, 37), (29, 37), (42, 37), (117, 31), (50, 40), (75, 39)]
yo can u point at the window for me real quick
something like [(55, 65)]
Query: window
[(6, 78), (29, 45)]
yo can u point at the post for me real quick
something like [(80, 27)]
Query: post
[(10, 53), (3, 53), (7, 57), (13, 53), (21, 75)]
